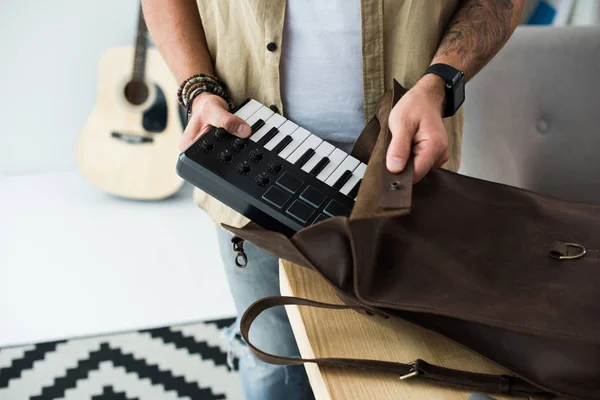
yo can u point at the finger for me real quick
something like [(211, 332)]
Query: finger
[(221, 118), (426, 155), (400, 145), (442, 159), (192, 132)]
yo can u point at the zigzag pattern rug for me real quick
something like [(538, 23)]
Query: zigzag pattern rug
[(172, 363)]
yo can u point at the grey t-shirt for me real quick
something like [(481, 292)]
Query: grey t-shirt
[(321, 68)]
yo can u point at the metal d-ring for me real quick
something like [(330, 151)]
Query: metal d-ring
[(581, 253)]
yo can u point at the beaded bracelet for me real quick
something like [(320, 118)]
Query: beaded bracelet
[(183, 94), (209, 89), (194, 85)]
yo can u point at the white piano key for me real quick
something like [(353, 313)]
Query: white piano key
[(275, 121), (350, 163), (357, 175), (335, 159), (312, 142), (298, 137), (263, 113), (248, 109), (324, 150), (286, 129)]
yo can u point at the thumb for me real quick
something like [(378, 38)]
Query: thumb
[(221, 118), (399, 149)]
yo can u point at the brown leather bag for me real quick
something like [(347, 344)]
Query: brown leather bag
[(507, 273)]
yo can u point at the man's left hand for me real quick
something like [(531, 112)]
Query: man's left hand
[(416, 122)]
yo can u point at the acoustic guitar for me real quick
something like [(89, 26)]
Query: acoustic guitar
[(129, 144)]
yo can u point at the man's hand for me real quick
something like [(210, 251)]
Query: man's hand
[(211, 110), (416, 122)]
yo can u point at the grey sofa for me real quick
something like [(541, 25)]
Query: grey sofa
[(532, 116)]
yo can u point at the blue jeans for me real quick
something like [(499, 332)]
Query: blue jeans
[(271, 332)]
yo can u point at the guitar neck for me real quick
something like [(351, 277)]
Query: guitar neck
[(141, 44)]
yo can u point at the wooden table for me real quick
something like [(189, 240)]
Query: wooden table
[(342, 333)]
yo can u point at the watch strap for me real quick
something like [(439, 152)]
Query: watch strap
[(444, 71)]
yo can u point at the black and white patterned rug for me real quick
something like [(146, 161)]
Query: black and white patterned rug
[(172, 363)]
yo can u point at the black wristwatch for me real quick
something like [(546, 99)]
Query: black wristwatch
[(455, 86)]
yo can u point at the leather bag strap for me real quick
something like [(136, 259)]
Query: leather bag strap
[(418, 369)]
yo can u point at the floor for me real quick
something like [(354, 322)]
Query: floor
[(181, 362), (77, 262)]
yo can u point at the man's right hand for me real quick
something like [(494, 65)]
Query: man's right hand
[(211, 110)]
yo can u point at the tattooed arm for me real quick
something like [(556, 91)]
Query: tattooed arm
[(477, 31)]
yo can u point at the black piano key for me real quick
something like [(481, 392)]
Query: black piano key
[(305, 157), (257, 125), (342, 179), (354, 191), (319, 167), (268, 136), (283, 144)]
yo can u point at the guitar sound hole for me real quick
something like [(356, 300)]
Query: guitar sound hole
[(136, 92)]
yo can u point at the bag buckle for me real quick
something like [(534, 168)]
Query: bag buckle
[(415, 370)]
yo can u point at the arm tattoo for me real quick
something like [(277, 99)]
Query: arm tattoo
[(477, 31)]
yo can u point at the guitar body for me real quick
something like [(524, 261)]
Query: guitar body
[(129, 144)]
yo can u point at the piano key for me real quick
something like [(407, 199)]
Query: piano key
[(267, 137), (257, 125), (357, 176), (342, 179), (275, 121), (354, 191), (349, 163), (324, 150), (299, 136), (336, 159), (248, 109), (319, 167), (287, 129), (282, 145), (312, 142), (305, 157), (263, 113)]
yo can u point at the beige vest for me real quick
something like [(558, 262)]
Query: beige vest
[(400, 38)]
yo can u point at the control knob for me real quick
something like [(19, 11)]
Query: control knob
[(206, 146), (225, 156), (256, 155), (243, 167), (263, 179), (221, 134), (275, 167), (238, 144)]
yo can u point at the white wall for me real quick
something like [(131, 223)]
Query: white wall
[(48, 56)]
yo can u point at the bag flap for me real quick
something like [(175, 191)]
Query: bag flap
[(480, 251)]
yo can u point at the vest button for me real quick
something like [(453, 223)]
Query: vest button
[(271, 46)]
